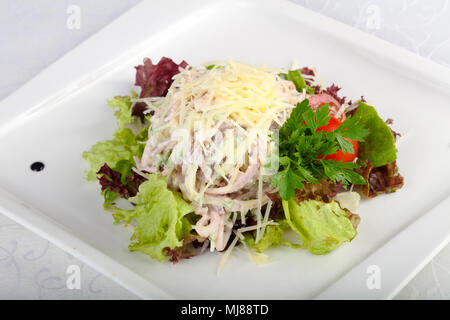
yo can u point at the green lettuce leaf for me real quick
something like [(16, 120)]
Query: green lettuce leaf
[(124, 146), (272, 236), (122, 104), (321, 226), (160, 216), (108, 198), (379, 146)]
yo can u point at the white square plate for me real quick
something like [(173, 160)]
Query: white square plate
[(62, 112)]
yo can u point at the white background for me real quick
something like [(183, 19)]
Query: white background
[(34, 34)]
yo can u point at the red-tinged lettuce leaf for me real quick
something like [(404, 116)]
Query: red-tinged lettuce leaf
[(353, 111), (133, 182), (389, 122), (112, 180), (154, 80), (354, 218), (139, 109), (384, 179), (121, 181), (324, 191), (276, 211), (193, 245), (333, 91), (307, 71)]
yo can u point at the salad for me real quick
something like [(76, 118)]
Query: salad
[(225, 154)]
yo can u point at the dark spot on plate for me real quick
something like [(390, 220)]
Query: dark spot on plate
[(37, 166)]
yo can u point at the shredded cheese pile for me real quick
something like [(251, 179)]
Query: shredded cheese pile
[(249, 95)]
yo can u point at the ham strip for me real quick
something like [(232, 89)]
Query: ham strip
[(242, 180)]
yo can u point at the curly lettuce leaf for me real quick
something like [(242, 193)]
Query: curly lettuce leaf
[(384, 179), (124, 146), (156, 79), (321, 226), (272, 236), (160, 216), (379, 146), (121, 182), (109, 197), (122, 105)]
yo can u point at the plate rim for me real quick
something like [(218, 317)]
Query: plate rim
[(11, 116)]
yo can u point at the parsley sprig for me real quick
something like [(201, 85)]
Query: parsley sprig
[(302, 150)]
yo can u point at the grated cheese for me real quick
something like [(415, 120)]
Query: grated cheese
[(258, 258), (266, 218), (233, 108), (238, 233)]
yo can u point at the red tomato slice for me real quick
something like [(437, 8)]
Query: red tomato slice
[(344, 157), (332, 125)]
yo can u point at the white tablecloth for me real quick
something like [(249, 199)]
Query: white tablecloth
[(34, 34)]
